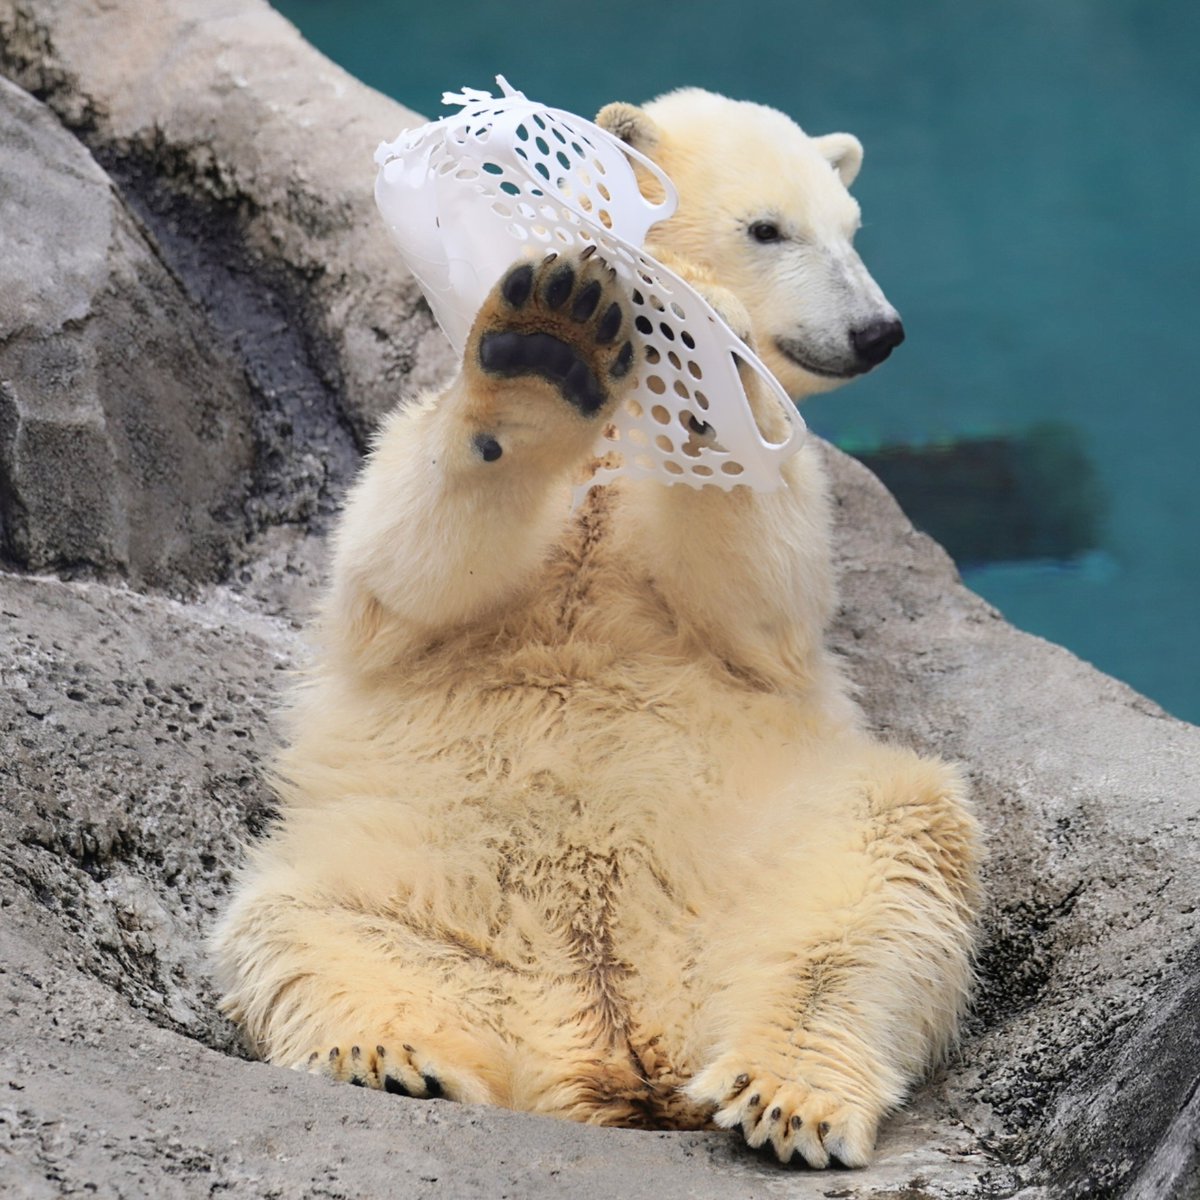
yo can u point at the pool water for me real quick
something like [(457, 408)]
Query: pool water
[(1030, 202)]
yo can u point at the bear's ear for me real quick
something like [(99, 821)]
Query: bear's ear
[(844, 152), (633, 125)]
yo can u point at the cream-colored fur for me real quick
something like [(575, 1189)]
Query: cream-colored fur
[(736, 164), (577, 814)]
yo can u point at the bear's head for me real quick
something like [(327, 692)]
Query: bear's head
[(764, 209)]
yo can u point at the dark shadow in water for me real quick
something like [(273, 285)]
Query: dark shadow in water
[(1004, 498)]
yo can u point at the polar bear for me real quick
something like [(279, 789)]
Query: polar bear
[(577, 814), (765, 210)]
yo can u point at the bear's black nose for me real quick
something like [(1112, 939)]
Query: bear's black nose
[(874, 342)]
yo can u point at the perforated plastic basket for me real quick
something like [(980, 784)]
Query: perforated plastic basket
[(506, 178)]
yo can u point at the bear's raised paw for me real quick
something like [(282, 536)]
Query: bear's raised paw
[(797, 1120), (565, 320)]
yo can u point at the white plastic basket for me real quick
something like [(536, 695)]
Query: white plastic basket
[(467, 196)]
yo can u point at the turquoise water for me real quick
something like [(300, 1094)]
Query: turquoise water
[(1029, 193)]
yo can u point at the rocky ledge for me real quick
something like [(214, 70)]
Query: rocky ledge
[(200, 321)]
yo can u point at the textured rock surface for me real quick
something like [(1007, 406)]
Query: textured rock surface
[(132, 727), (125, 435)]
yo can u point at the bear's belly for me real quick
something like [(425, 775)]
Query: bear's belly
[(593, 947), (559, 842)]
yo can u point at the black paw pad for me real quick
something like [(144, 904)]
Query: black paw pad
[(559, 286), (507, 353), (394, 1086), (624, 361), (502, 351), (586, 301), (433, 1086), (517, 285), (610, 324), (487, 447)]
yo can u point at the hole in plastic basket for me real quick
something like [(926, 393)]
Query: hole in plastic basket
[(558, 134), (660, 414), (634, 408), (638, 437), (690, 342), (542, 170), (605, 219), (604, 191), (681, 390), (674, 360), (518, 231), (540, 232), (667, 331), (563, 236), (599, 166), (694, 368), (493, 168), (509, 188), (664, 444), (538, 121), (563, 160), (501, 209), (652, 355), (701, 469), (731, 468), (655, 384), (523, 132), (672, 468), (542, 144), (466, 174)]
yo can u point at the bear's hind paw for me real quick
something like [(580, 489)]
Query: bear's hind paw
[(389, 1070), (797, 1121)]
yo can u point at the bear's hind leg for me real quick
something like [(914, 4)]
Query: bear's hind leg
[(823, 1018), (362, 997)]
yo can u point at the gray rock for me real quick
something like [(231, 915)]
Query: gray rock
[(249, 157), (132, 727), (125, 438)]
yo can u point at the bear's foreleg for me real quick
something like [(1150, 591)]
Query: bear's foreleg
[(748, 574), (812, 1041), (465, 492)]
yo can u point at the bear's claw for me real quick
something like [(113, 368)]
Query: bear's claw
[(797, 1121), (393, 1071)]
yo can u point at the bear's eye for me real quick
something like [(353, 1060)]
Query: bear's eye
[(765, 231)]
